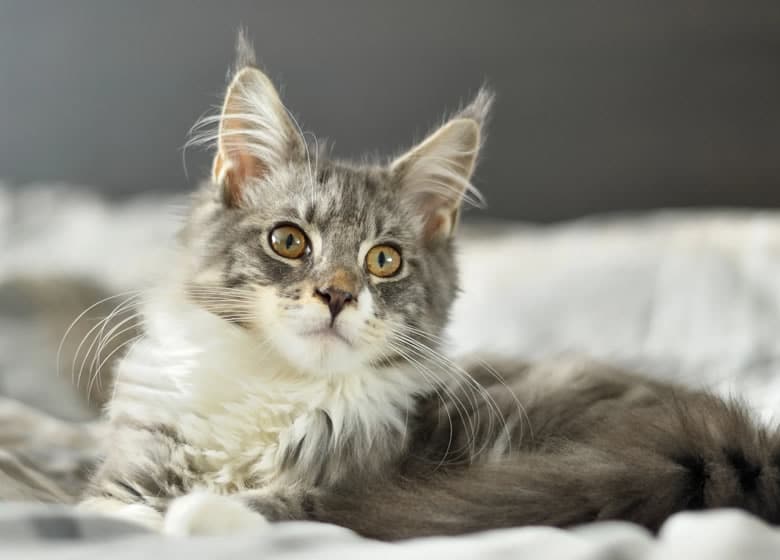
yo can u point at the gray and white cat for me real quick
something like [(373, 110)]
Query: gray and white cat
[(290, 368)]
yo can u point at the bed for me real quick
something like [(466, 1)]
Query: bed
[(689, 296)]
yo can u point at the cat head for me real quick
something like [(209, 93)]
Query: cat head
[(332, 265)]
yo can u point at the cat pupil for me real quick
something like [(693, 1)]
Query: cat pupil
[(381, 259), (289, 241)]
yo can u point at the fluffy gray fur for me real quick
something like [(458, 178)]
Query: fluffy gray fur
[(559, 443)]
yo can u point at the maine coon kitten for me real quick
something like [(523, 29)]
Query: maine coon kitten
[(290, 368)]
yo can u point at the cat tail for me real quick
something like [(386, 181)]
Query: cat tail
[(697, 453)]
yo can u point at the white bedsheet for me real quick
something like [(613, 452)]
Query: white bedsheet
[(30, 533)]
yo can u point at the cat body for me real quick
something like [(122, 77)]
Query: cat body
[(290, 367)]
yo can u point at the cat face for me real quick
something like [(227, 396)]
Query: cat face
[(332, 266)]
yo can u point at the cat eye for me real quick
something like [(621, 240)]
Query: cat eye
[(288, 242), (383, 261)]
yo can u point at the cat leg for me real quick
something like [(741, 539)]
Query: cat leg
[(144, 469)]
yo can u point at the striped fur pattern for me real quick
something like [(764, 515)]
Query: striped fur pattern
[(247, 400)]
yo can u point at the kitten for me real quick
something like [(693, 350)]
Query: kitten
[(290, 369)]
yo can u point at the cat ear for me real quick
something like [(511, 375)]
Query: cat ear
[(256, 134), (436, 174)]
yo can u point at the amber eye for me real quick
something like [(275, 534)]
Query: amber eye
[(383, 261), (288, 242)]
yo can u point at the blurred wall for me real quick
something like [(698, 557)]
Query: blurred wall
[(602, 106)]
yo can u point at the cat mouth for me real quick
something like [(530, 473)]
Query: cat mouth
[(326, 333)]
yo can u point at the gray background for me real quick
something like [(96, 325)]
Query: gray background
[(602, 106)]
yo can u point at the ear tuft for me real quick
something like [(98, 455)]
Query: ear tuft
[(255, 135), (436, 174), (245, 52), (479, 108)]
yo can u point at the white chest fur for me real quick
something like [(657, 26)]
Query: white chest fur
[(238, 406)]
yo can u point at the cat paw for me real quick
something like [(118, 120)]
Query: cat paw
[(202, 513)]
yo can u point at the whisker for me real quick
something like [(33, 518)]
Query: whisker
[(463, 374), (94, 340), (81, 315), (119, 370), (441, 399), (469, 422), (102, 337), (490, 369), (473, 423), (96, 371), (493, 372)]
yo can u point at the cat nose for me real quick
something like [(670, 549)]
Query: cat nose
[(335, 299)]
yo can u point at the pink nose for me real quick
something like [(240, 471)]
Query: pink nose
[(335, 299)]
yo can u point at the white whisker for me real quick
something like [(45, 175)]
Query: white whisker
[(134, 293)]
